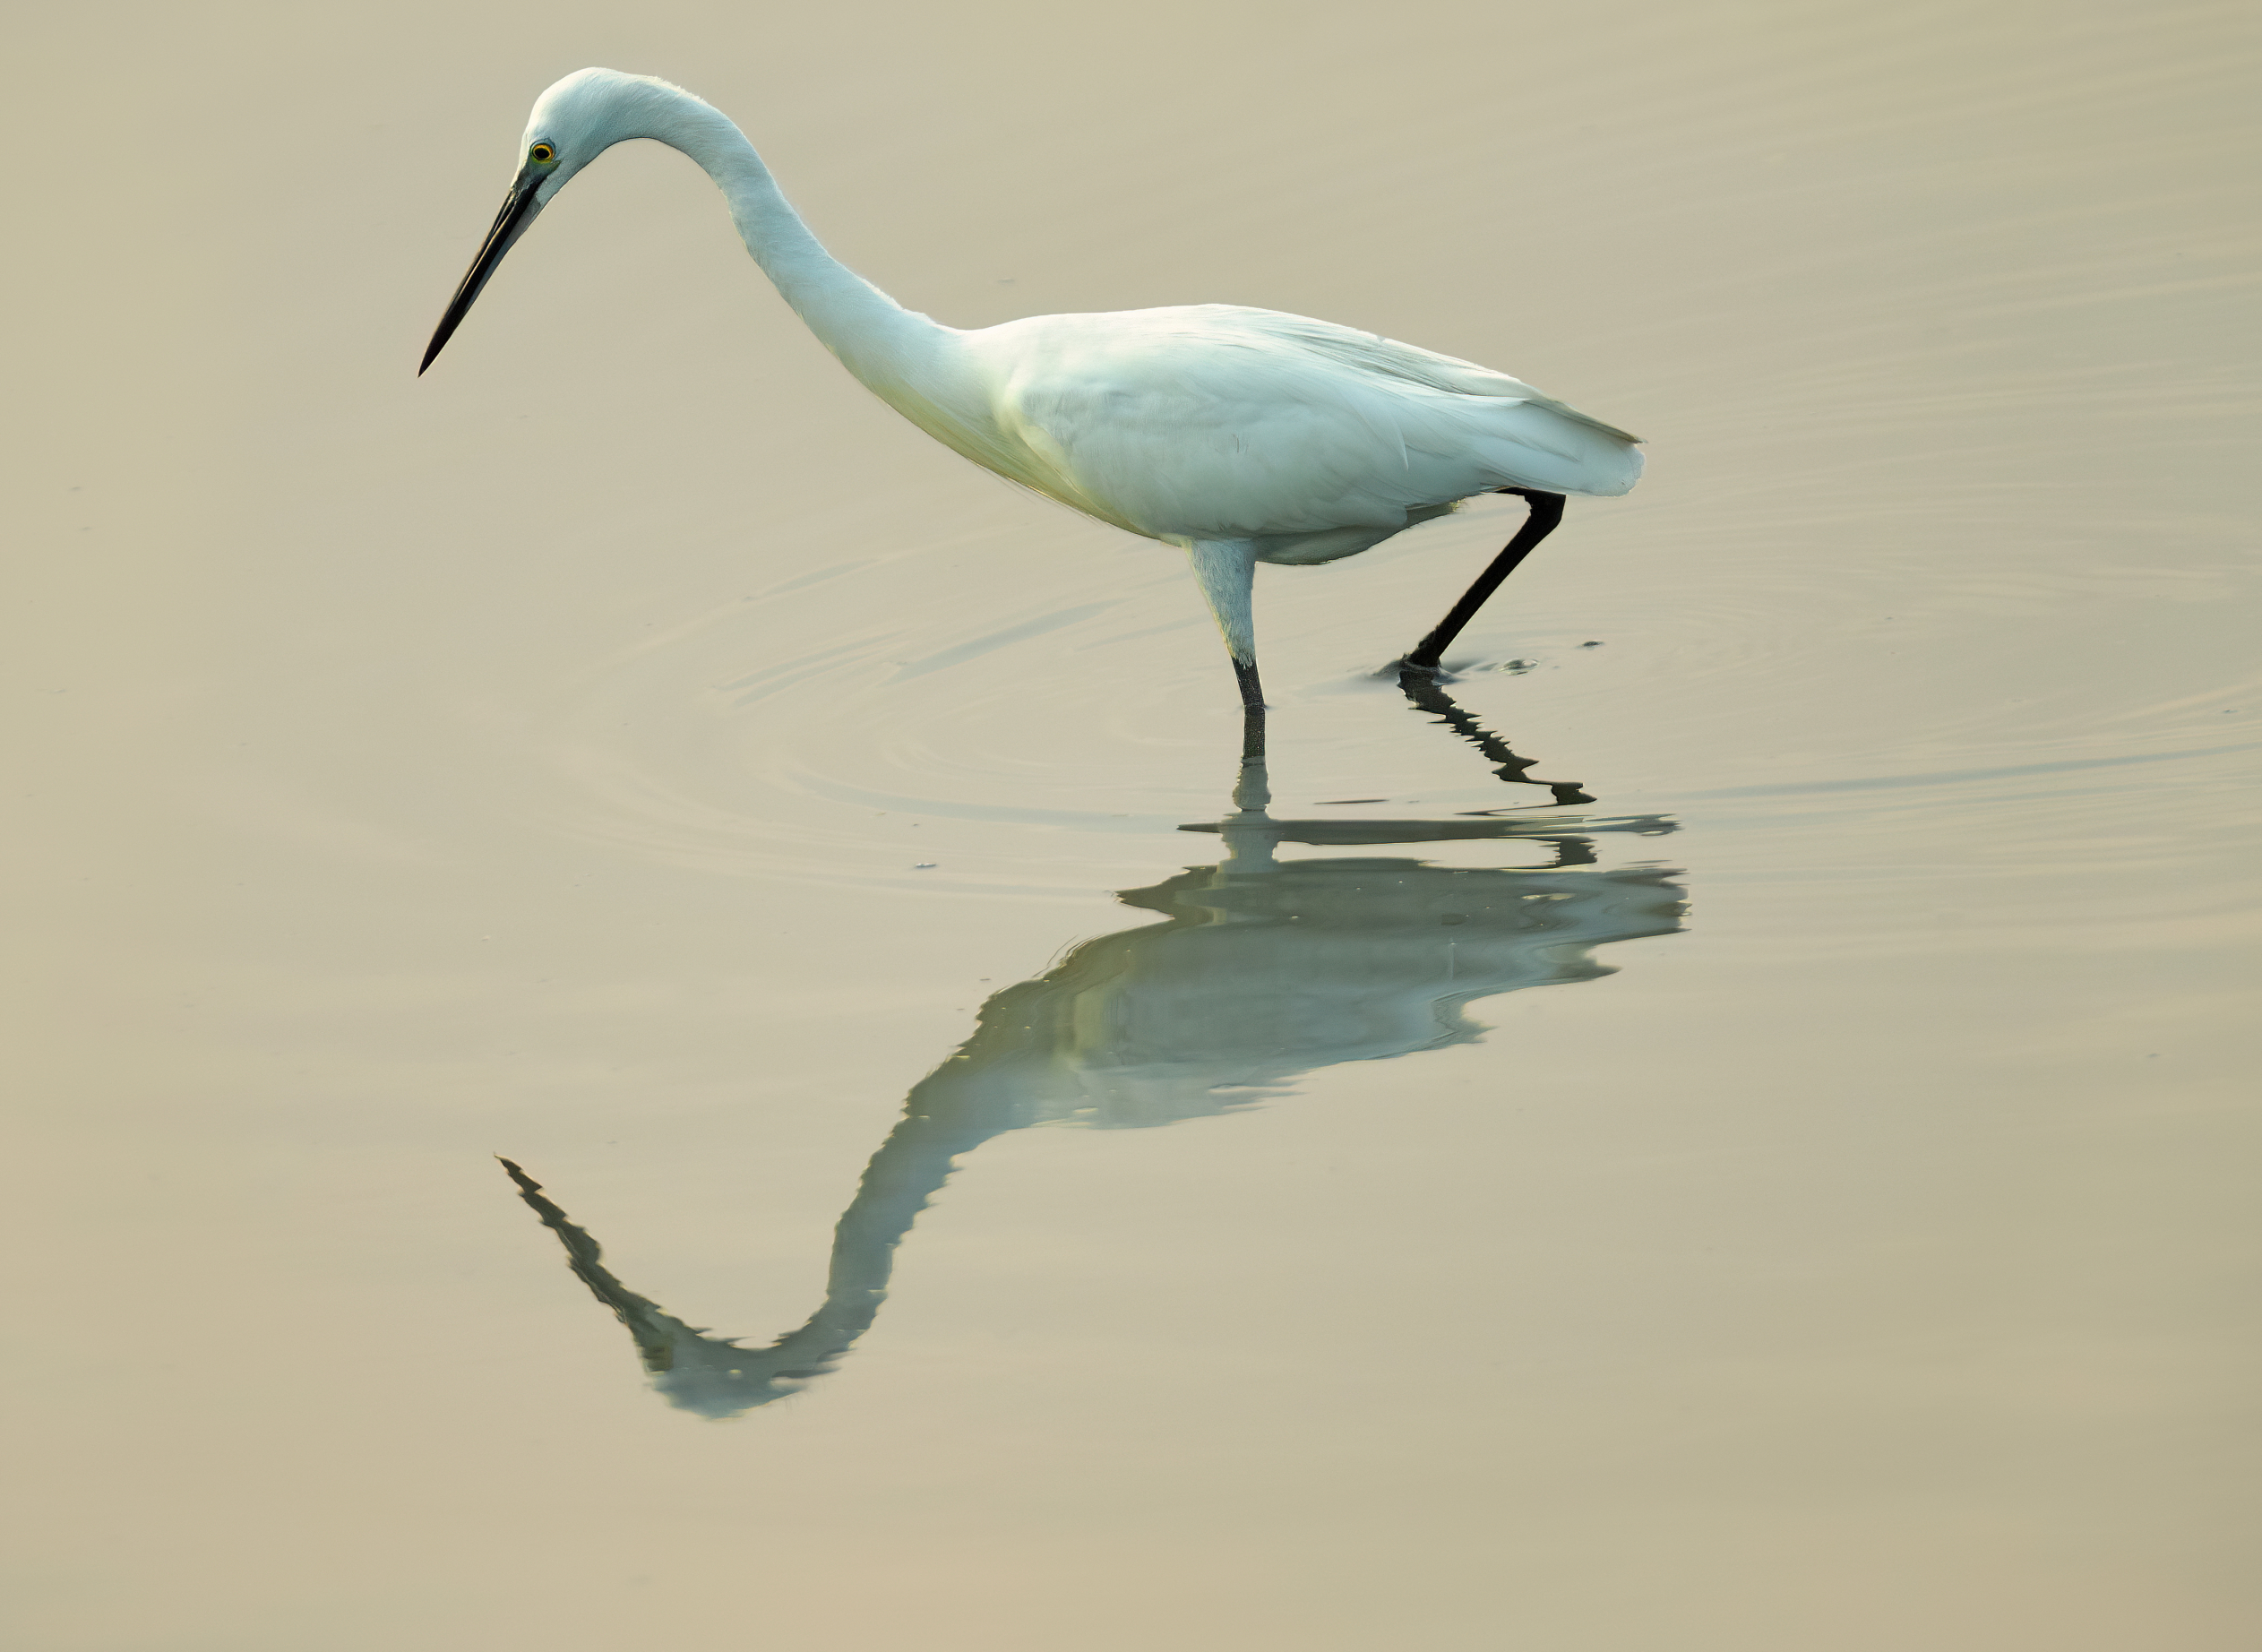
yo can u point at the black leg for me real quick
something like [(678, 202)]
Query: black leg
[(1547, 510), (1253, 711)]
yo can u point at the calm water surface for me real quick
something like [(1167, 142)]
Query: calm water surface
[(1730, 1127)]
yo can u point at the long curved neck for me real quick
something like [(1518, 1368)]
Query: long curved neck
[(883, 344)]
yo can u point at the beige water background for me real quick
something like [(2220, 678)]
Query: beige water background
[(634, 750)]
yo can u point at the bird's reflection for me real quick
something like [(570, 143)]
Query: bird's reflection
[(1265, 969)]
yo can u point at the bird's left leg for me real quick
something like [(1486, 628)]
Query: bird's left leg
[(1228, 571)]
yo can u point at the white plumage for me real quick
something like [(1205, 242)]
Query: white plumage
[(1243, 436)]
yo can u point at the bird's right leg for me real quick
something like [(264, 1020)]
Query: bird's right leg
[(1547, 510), (1228, 571)]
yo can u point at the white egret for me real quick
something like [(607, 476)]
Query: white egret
[(1241, 435)]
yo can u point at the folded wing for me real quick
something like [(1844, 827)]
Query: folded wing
[(1212, 422)]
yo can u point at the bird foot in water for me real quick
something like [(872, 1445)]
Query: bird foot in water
[(1414, 672)]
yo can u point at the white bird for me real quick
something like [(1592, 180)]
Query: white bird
[(1241, 435)]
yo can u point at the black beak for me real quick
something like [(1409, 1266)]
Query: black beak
[(520, 208)]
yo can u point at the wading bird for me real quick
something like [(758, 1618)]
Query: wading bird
[(1241, 435)]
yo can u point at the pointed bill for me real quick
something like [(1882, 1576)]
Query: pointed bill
[(521, 207)]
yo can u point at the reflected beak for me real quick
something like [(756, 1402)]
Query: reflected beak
[(520, 208)]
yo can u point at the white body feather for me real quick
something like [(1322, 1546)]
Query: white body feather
[(1217, 422)]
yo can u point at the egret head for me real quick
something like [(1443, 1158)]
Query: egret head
[(572, 123)]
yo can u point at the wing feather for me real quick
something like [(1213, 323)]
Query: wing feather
[(1213, 421)]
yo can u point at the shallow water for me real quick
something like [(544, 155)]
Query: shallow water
[(633, 752)]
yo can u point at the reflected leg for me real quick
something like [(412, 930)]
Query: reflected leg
[(1422, 690), (1547, 510)]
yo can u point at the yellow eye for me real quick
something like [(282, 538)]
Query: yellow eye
[(542, 153)]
